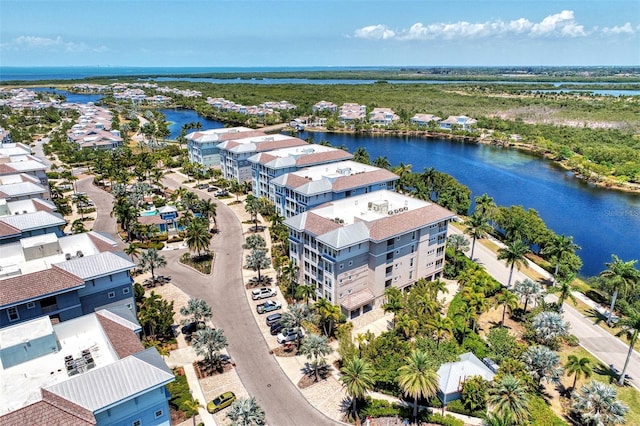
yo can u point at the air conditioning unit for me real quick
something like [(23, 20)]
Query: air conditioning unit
[(67, 256), (79, 253)]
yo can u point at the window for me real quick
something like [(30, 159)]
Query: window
[(136, 422), (342, 266), (12, 312), (158, 413), (31, 305), (411, 262), (387, 283), (112, 294), (350, 262), (126, 290), (410, 275)]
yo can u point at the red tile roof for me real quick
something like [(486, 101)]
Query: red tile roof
[(324, 157), (318, 225), (284, 143), (360, 179), (101, 244), (45, 413), (7, 230), (124, 341), (396, 224), (29, 286)]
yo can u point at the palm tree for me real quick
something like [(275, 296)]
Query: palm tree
[(542, 363), (485, 206), (150, 260), (316, 347), (620, 276), (393, 301), (528, 290), (597, 405), (382, 162), (329, 315), (258, 260), (132, 251), (208, 343), (407, 325), (254, 241), (559, 248), (579, 367), (193, 405), (290, 274), (477, 227), (294, 317), (417, 379), (197, 236), (304, 291), (466, 312), (197, 309), (126, 214), (509, 301), (357, 377), (77, 227), (514, 254), (549, 326), (508, 397), (442, 328), (208, 209), (252, 206), (81, 201), (458, 242), (246, 412), (630, 328), (495, 419), (564, 290)]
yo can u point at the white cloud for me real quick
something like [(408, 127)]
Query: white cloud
[(28, 42), (376, 32), (626, 29), (559, 25)]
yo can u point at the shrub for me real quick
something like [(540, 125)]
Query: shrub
[(175, 239), (541, 413), (379, 408), (160, 237), (458, 407), (596, 296), (53, 175), (571, 340), (434, 402), (147, 245), (447, 420), (179, 390)]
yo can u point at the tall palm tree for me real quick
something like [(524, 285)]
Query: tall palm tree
[(597, 405), (542, 363), (417, 379), (514, 255), (150, 260), (630, 328), (407, 325), (132, 251), (329, 315), (197, 236), (197, 309), (304, 291), (208, 342), (528, 290), (258, 260), (382, 162), (477, 228), (246, 412), (208, 209), (560, 247), (508, 397), (295, 316), (316, 347), (621, 276), (393, 301), (126, 214), (442, 328), (564, 289), (579, 367), (485, 206), (357, 378), (290, 273), (509, 301)]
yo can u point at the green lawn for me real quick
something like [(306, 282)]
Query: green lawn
[(627, 394)]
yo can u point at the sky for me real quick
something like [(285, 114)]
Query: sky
[(319, 33)]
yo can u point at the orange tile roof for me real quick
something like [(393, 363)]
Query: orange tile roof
[(318, 225), (323, 157), (390, 226), (122, 339), (360, 179), (45, 413), (7, 230)]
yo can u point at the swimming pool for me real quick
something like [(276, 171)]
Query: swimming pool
[(149, 213)]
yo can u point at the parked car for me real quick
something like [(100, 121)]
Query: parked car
[(221, 193), (212, 189), (289, 335), (220, 402), (273, 318), (276, 328), (268, 306), (263, 293), (203, 186)]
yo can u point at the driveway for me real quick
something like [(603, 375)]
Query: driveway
[(606, 347), (103, 200)]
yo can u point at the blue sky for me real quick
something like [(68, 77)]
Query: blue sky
[(239, 33)]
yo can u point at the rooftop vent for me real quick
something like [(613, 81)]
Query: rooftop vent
[(79, 253), (67, 256)]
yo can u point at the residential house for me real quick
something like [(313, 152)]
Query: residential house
[(20, 225), (351, 250), (383, 116), (350, 112), (460, 122), (235, 153), (22, 186), (452, 375), (91, 370), (24, 163), (266, 166), (300, 191), (324, 106), (424, 119)]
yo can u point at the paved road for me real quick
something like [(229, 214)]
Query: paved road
[(592, 337), (224, 291), (104, 223)]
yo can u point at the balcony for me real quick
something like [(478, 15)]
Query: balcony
[(49, 308)]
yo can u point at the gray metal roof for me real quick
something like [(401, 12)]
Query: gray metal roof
[(452, 374), (315, 187), (297, 222), (346, 235), (101, 388), (22, 188), (98, 265), (122, 315), (28, 221)]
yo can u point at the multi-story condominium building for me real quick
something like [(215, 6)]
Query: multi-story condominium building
[(202, 145), (235, 153), (298, 192), (61, 277), (269, 165), (91, 370), (22, 186), (383, 116), (15, 163), (24, 225), (351, 250)]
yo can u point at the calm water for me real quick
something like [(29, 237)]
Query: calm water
[(602, 222), (71, 97)]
